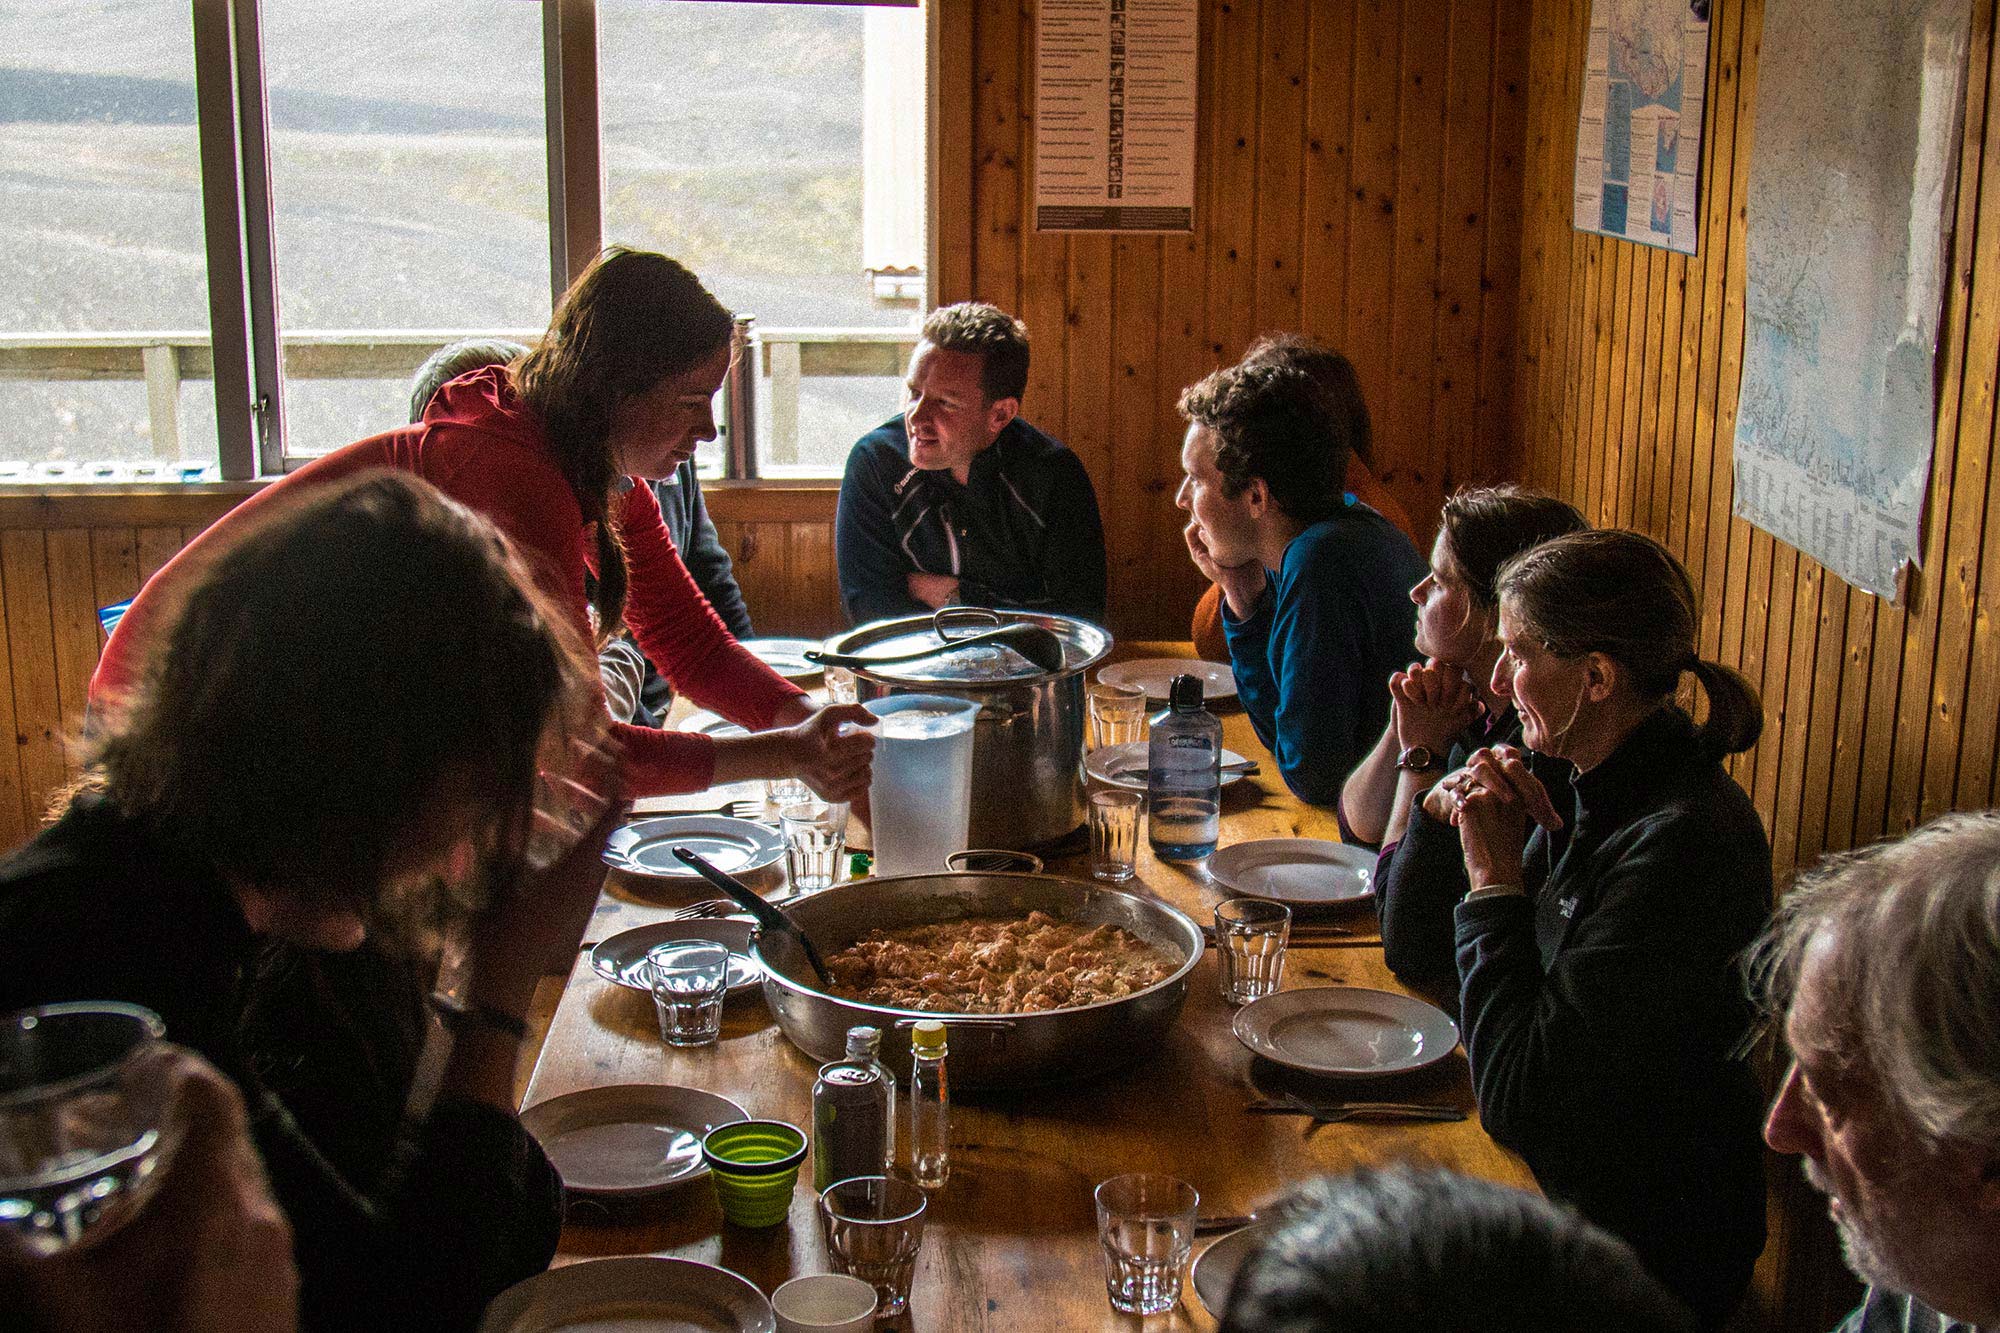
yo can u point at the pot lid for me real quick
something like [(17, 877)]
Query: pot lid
[(1082, 642)]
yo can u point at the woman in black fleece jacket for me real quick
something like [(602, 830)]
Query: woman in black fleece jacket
[(1597, 947)]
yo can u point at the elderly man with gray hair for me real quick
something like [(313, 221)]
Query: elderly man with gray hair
[(1884, 968)]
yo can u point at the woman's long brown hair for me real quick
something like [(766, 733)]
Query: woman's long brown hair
[(346, 686), (632, 319)]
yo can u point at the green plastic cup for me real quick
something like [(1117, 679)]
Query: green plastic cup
[(754, 1164)]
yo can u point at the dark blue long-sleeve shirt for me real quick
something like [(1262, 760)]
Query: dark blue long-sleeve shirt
[(1023, 531), (1314, 657)]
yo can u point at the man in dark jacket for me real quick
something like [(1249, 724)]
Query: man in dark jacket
[(960, 502)]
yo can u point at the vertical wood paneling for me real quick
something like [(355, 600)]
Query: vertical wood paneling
[(1358, 178), (32, 658), (1628, 364)]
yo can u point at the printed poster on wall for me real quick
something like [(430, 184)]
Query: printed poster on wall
[(1114, 115), (1638, 134), (1852, 179)]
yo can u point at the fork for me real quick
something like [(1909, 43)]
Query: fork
[(1332, 1113), (705, 909), (741, 808)]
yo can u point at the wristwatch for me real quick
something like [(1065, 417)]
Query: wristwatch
[(1419, 759)]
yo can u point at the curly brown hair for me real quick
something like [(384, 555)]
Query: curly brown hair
[(1271, 421)]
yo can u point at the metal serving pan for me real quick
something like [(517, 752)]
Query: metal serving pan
[(986, 1051)]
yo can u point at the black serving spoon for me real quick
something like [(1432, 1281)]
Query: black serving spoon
[(769, 917), (1037, 643)]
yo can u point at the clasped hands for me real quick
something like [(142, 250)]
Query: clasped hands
[(1492, 801), (1430, 703)]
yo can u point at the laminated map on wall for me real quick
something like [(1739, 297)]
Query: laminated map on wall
[(1638, 140), (1852, 180)]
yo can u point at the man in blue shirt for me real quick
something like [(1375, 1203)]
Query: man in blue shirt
[(958, 501), (1315, 584)]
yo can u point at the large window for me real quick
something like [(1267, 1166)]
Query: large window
[(409, 192), (348, 186), (103, 298), (737, 138)]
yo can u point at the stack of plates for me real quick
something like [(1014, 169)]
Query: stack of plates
[(668, 1295), (1346, 1031), (1156, 674), (1299, 872), (629, 1140), (733, 846)]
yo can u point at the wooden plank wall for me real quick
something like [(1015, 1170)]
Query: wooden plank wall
[(63, 556), (1359, 180), (1877, 716)]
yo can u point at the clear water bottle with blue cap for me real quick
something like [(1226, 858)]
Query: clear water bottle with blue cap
[(1184, 776)]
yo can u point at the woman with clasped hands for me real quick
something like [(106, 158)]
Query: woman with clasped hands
[(1440, 711), (1616, 873), (547, 449)]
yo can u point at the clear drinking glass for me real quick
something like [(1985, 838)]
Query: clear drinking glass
[(781, 792), (1114, 834), (690, 978), (1250, 936), (81, 1112), (1117, 714), (1146, 1225), (874, 1226), (815, 836)]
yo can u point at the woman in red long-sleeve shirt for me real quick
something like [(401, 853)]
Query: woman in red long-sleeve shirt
[(620, 389)]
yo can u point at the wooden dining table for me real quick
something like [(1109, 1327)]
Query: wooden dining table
[(1010, 1240)]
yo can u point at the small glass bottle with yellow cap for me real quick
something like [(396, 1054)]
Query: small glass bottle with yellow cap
[(930, 1106)]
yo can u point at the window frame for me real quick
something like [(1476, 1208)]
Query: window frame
[(233, 116)]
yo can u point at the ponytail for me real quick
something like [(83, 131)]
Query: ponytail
[(1735, 711)]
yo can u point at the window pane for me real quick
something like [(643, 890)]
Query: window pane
[(410, 188), (777, 150), (102, 196)]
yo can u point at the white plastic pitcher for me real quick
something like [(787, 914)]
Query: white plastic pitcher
[(920, 798)]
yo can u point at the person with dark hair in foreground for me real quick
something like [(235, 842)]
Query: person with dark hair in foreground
[(1405, 1250), (1315, 586), (305, 813), (620, 387), (1882, 972), (634, 691), (1615, 874), (960, 502)]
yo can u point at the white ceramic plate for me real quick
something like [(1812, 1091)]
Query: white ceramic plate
[(628, 1140), (1346, 1031), (1219, 1263), (656, 1295), (1156, 675), (1304, 872), (646, 846), (787, 657), (1125, 765), (621, 959), (710, 724)]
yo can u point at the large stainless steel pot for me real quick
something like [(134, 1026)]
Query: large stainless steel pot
[(1029, 738), (987, 1051)]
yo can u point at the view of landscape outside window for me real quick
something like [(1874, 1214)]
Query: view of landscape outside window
[(409, 188), (410, 196), (100, 186), (734, 141)]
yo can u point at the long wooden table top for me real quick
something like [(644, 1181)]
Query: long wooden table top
[(1011, 1240)]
